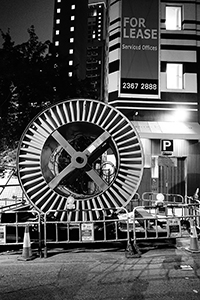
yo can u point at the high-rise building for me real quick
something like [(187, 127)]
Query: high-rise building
[(154, 79), (96, 46), (148, 58), (78, 36), (70, 34)]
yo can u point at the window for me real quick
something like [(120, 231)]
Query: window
[(58, 0), (57, 32), (71, 62), (71, 40), (58, 21), (72, 18), (70, 74), (174, 76), (73, 6), (94, 13), (71, 51), (173, 18), (71, 28), (58, 10), (57, 43)]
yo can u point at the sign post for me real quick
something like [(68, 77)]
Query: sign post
[(174, 227), (167, 145), (140, 49), (87, 232)]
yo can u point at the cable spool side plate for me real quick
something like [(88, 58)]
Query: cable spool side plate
[(82, 150)]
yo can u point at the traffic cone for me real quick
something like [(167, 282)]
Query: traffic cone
[(194, 245), (27, 252)]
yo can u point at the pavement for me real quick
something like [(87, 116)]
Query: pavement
[(106, 273)]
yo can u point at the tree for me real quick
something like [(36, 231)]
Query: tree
[(24, 88), (30, 79)]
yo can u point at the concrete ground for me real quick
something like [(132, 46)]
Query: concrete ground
[(87, 273)]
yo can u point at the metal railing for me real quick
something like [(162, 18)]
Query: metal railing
[(116, 224), (12, 229), (149, 198), (104, 229), (11, 195), (167, 225), (135, 201)]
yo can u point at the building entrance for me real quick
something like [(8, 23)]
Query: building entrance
[(172, 175)]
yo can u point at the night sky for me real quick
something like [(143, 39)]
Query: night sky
[(19, 15)]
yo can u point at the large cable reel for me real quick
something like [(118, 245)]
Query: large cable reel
[(83, 152)]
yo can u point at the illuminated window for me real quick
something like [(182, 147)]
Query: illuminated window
[(71, 40), (71, 62), (71, 28), (174, 76), (70, 74), (94, 13), (58, 1), (73, 6), (58, 21), (71, 51), (72, 18), (57, 43), (173, 18), (57, 32), (58, 10)]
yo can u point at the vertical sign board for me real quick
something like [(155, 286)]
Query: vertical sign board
[(87, 232), (174, 227), (139, 70)]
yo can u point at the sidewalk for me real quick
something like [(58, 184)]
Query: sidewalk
[(102, 274)]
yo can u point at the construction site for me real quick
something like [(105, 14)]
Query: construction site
[(78, 168)]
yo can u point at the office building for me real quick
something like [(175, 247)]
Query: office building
[(154, 79), (148, 60)]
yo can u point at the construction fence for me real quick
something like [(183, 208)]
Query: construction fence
[(118, 224)]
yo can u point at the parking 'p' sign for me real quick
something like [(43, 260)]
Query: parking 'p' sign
[(167, 145)]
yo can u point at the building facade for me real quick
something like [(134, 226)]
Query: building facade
[(78, 36), (142, 57), (154, 79), (70, 34)]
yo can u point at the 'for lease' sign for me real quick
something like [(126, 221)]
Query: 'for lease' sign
[(140, 48)]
